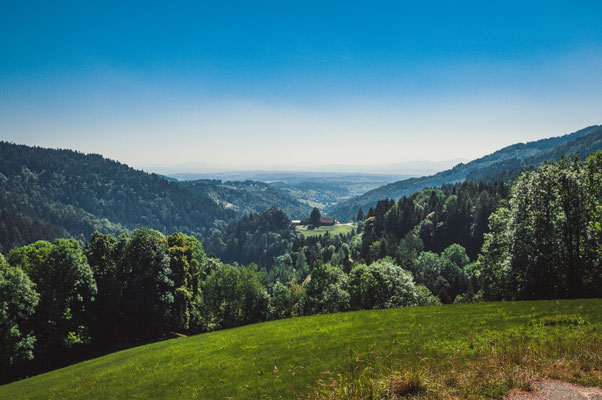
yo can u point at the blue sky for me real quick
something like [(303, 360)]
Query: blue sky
[(262, 84)]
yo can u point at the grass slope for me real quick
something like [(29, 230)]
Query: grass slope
[(287, 358), (319, 231)]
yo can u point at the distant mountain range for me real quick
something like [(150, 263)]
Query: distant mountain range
[(191, 171), (416, 168), (503, 164)]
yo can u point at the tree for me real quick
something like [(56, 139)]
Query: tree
[(30, 258), (18, 300), (543, 244), (284, 300), (301, 262), (444, 275), (100, 252), (382, 284), (314, 217), (424, 297), (67, 288), (454, 263), (360, 215), (234, 296), (593, 241), (427, 271), (280, 302), (186, 258), (493, 263), (147, 300), (325, 290)]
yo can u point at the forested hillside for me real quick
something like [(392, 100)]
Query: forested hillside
[(47, 193), (82, 193), (496, 163), (431, 220), (508, 170), (256, 238)]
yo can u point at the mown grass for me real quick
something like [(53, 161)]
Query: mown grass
[(455, 351), (319, 231)]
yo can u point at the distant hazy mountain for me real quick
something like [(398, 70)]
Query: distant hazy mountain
[(285, 176), (509, 158), (414, 168), (192, 171)]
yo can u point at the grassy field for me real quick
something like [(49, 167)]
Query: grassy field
[(467, 351), (333, 230)]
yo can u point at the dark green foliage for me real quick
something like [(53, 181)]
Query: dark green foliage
[(101, 253), (448, 275), (325, 290), (148, 285), (18, 229), (187, 261), (18, 299), (44, 189), (314, 217), (148, 296), (336, 250), (431, 220), (546, 242), (46, 194), (509, 170), (234, 296), (285, 300), (382, 284), (256, 238), (360, 215), (424, 297), (67, 288), (248, 197)]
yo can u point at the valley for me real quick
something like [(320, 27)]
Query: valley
[(398, 200)]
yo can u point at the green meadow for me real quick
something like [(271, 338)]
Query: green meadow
[(319, 231), (469, 351)]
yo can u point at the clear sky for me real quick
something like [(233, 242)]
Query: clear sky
[(290, 84)]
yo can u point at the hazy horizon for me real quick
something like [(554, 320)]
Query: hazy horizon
[(414, 166)]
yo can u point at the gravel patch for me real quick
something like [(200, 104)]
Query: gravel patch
[(557, 390)]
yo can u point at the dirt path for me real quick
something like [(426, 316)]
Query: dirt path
[(556, 390)]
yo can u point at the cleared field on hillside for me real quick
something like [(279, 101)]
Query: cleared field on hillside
[(333, 230), (285, 359)]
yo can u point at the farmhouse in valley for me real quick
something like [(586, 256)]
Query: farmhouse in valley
[(315, 220)]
